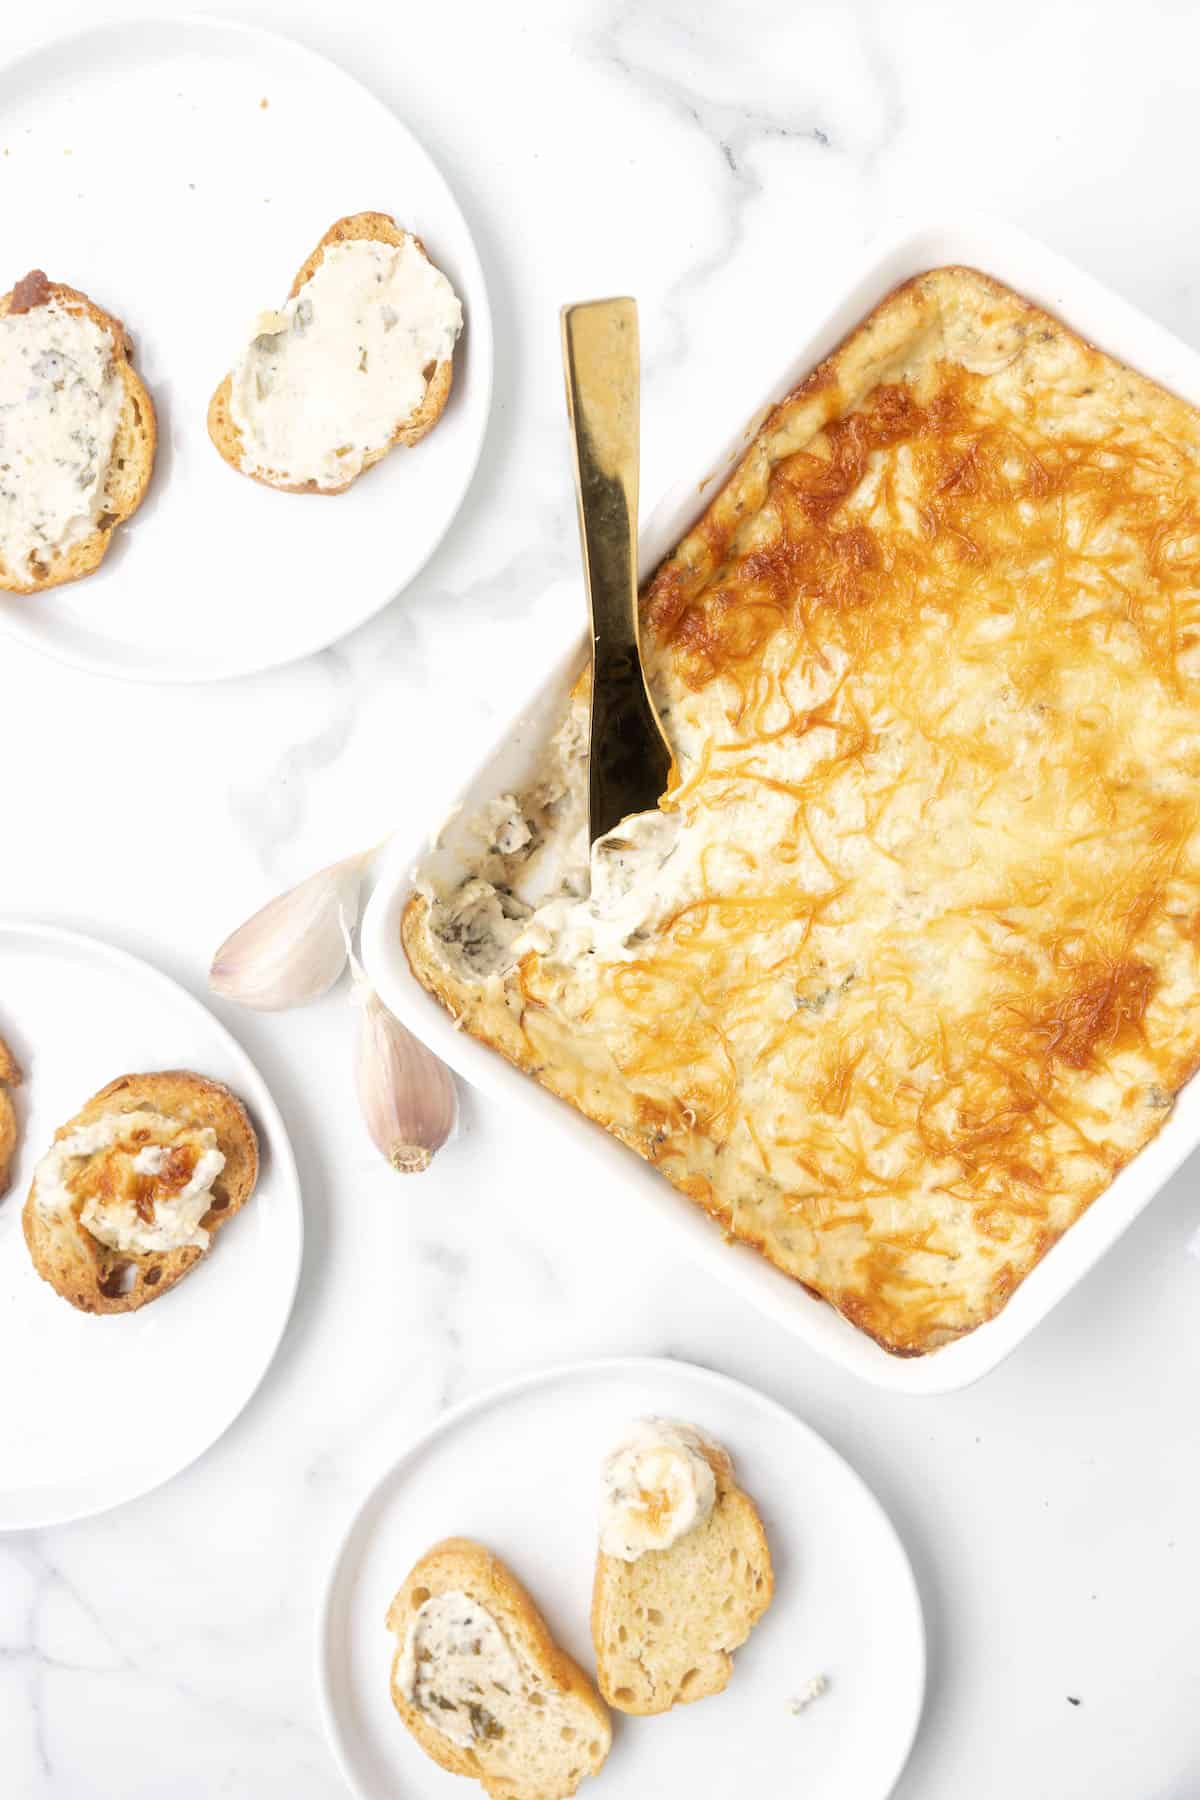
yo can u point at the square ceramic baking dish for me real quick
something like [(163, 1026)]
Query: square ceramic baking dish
[(1114, 326)]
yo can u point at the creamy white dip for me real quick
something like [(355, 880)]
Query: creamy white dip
[(456, 1666), (657, 1485), (132, 1211), (60, 404), (327, 380)]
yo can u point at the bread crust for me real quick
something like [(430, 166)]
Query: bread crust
[(90, 1275), (463, 1565), (379, 228), (134, 445), (668, 1576), (10, 1076)]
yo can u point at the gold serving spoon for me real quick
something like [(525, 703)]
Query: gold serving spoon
[(629, 758)]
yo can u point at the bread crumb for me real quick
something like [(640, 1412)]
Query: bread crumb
[(812, 1690)]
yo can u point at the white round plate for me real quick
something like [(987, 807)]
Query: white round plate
[(518, 1469), (76, 1014), (179, 172)]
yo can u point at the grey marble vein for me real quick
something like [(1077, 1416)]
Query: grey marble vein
[(730, 131), (270, 810)]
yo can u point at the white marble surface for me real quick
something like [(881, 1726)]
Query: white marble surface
[(707, 159)]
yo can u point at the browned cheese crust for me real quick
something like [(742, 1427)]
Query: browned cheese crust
[(133, 446), (931, 663), (98, 1279), (224, 432)]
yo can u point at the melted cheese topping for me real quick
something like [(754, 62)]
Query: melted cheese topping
[(60, 404), (137, 1181), (329, 379), (922, 971)]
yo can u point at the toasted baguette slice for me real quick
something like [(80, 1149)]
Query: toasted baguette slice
[(554, 1731), (133, 445), (221, 426), (665, 1625), (10, 1076), (97, 1279)]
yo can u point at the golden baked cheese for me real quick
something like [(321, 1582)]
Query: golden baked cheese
[(907, 965)]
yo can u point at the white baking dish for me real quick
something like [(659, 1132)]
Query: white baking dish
[(835, 307)]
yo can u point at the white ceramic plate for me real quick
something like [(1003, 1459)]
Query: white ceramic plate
[(141, 165), (518, 1469), (1106, 320), (78, 1013)]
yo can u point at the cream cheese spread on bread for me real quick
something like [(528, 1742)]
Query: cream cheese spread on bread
[(658, 1485), (138, 1182), (326, 381), (60, 404), (457, 1667)]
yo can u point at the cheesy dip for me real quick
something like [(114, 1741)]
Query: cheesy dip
[(906, 966)]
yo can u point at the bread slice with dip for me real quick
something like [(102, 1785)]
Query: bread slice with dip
[(133, 1190), (358, 360), (482, 1685), (77, 434), (683, 1573)]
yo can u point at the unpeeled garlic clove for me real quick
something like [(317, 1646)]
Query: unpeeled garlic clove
[(293, 949), (408, 1097)]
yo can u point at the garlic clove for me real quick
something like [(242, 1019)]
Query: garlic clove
[(407, 1095), (294, 948)]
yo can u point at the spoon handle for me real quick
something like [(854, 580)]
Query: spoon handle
[(630, 761)]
